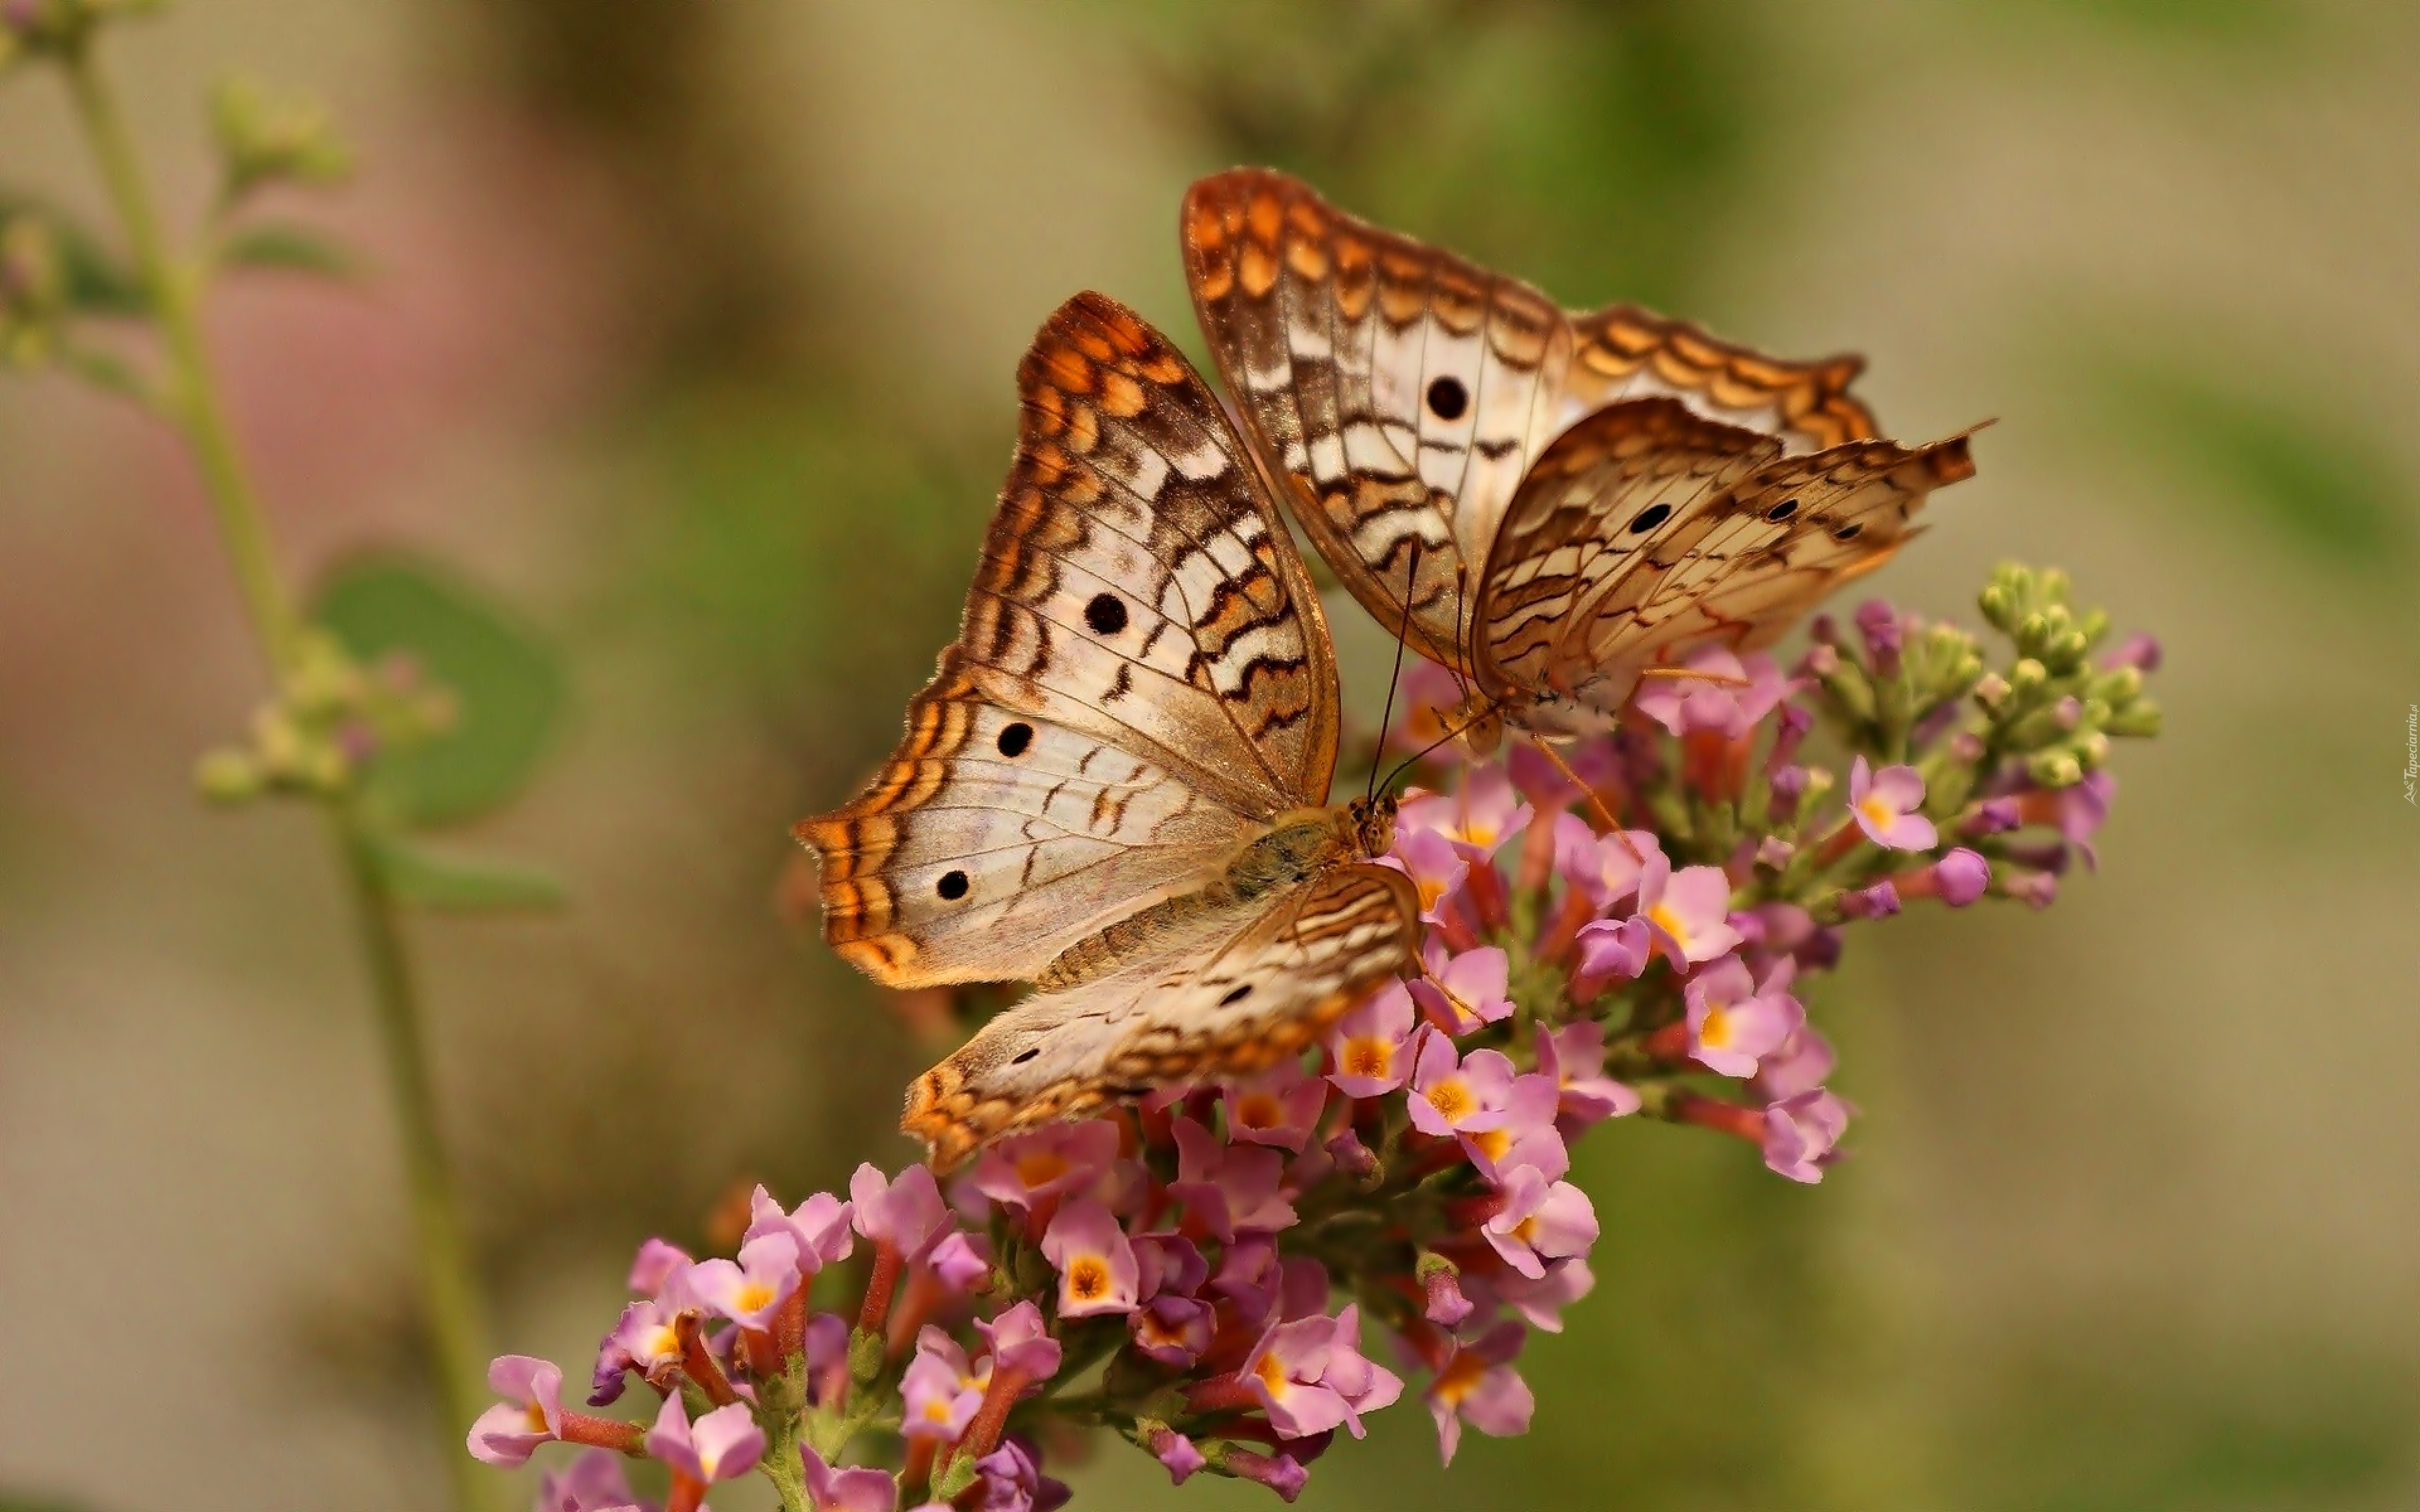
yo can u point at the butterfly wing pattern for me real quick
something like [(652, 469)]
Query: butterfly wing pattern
[(1400, 393), (1142, 686), (1647, 531)]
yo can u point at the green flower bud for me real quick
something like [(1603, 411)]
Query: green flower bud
[(2056, 768), (265, 138), (228, 777), (864, 1355), (2138, 720), (1991, 690), (2027, 676), (2092, 746)]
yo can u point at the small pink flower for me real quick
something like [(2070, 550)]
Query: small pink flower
[(1096, 1263), (1609, 949), (656, 1266), (1023, 1170), (724, 1444), (820, 1227), (1283, 1372), (1170, 1263), (593, 1482), (960, 1261), (1543, 782), (1020, 1343), (646, 1340), (1368, 1046), (2082, 808), (940, 1394), (1365, 1385), (1452, 1094), (1440, 873), (1469, 991), (1734, 1023), (1801, 1131), (1802, 1064), (846, 1491), (1540, 1221), (1742, 691), (750, 1291), (1542, 1300), (1232, 1189), (531, 1413), (1603, 868), (1480, 1386), (1961, 878), (1479, 815), (1279, 1107), (1176, 1452), (1885, 804), (907, 1214), (1688, 910), (1525, 1133), (1574, 1057), (1172, 1330), (1012, 1480)]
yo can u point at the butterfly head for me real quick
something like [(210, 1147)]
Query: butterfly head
[(1372, 824)]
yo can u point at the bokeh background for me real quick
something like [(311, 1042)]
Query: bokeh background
[(688, 334)]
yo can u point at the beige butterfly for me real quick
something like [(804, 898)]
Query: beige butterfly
[(1552, 503), (1116, 785)]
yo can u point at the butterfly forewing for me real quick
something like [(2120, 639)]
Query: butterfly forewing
[(1230, 994), (1141, 681), (1402, 394)]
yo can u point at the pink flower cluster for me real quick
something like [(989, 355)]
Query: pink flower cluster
[(1228, 1276)]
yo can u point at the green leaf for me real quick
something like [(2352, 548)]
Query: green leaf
[(15, 1502), (288, 249), (97, 282), (434, 880), (508, 685)]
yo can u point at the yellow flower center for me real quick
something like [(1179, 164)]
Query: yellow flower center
[(1878, 813), (1450, 1098), (754, 1297), (1430, 890), (661, 1343), (1716, 1031), (1272, 1374), (1259, 1110), (1492, 1143), (536, 1416), (1088, 1278), (937, 1409), (1457, 1380), (1369, 1056), (1527, 1230), (1038, 1167)]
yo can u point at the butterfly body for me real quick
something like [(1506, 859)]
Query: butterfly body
[(1116, 785), (1550, 503)]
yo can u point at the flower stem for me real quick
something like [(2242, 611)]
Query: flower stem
[(449, 1295)]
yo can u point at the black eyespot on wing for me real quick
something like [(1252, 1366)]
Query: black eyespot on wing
[(1782, 511), (952, 885), (1106, 614), (1023, 1055), (1014, 738), (1849, 531), (1650, 518), (1448, 399), (1235, 994)]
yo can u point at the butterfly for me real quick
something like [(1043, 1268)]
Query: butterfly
[(1116, 784), (1552, 503)]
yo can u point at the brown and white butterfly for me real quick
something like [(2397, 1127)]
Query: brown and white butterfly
[(1116, 785), (1552, 503)]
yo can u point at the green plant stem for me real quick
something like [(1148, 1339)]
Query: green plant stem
[(449, 1295)]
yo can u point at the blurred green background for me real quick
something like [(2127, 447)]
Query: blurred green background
[(689, 336)]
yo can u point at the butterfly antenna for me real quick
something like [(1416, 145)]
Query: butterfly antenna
[(1411, 585), (1414, 759)]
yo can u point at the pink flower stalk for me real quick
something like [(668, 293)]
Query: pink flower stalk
[(1573, 1058), (1369, 1049), (1541, 1220), (819, 1226), (1688, 910), (1478, 1387), (1176, 1453), (724, 1444), (1279, 1108), (846, 1491), (1452, 1094), (1801, 1133), (1885, 805), (1022, 1171), (752, 1291), (1096, 1265), (1467, 991), (939, 1393), (1281, 1473), (1734, 1023), (532, 1412), (1228, 1188)]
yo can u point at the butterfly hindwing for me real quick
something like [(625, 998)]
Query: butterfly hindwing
[(1229, 995)]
